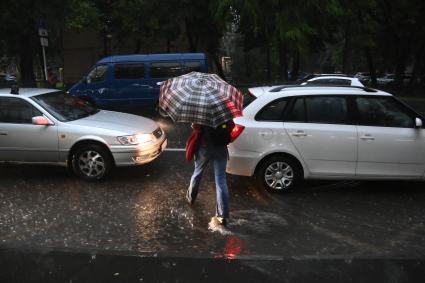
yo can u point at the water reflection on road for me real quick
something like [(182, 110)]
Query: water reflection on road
[(142, 210)]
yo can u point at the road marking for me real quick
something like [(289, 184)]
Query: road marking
[(175, 149)]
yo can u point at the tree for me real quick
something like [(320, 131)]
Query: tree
[(291, 27), (19, 22)]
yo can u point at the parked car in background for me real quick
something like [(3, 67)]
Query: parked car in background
[(312, 76), (363, 77), (385, 80), (6, 80), (389, 79), (301, 76), (131, 80), (311, 80), (333, 80), (44, 126), (324, 132)]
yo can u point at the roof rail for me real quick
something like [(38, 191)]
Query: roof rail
[(364, 88), (279, 88)]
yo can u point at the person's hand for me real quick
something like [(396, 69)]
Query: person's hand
[(196, 127)]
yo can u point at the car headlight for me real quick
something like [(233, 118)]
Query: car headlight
[(135, 139)]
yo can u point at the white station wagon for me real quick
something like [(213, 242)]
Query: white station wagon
[(45, 126), (296, 133)]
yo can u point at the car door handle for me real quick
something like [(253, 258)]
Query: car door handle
[(367, 137), (139, 85), (299, 134), (3, 134)]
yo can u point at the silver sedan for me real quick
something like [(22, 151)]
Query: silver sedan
[(42, 126)]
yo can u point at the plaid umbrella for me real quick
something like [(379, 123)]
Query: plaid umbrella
[(200, 98)]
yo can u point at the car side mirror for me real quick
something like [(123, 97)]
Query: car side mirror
[(86, 80), (41, 121), (418, 123)]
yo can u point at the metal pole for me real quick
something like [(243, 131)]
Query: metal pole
[(44, 61)]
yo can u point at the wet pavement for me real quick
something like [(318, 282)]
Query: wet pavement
[(136, 226)]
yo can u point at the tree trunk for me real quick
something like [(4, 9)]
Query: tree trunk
[(247, 65), (371, 65), (138, 46), (419, 58), (105, 44), (168, 44), (26, 64), (295, 65), (190, 37), (283, 62), (347, 41), (217, 64), (268, 64)]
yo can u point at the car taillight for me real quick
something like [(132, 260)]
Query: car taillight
[(236, 132)]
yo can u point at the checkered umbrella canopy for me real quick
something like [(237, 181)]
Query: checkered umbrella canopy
[(200, 98)]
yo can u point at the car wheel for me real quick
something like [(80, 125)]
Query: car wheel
[(279, 174), (91, 162)]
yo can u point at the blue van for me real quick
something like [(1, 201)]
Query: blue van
[(126, 80)]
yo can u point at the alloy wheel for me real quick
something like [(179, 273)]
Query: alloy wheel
[(91, 164), (279, 175)]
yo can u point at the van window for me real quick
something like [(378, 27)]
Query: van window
[(97, 74), (129, 71), (166, 69), (194, 66)]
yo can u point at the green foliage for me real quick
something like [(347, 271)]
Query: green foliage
[(393, 32), (81, 14)]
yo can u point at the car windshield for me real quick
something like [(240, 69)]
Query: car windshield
[(64, 107)]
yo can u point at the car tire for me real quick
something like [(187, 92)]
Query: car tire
[(279, 174), (91, 162)]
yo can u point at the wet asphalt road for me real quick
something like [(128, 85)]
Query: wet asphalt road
[(142, 211)]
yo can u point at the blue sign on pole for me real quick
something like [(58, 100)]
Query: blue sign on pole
[(41, 24)]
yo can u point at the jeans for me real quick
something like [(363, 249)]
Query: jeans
[(218, 155)]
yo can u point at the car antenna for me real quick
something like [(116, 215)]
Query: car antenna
[(14, 88)]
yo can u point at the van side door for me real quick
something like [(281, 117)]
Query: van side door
[(130, 85), (160, 71)]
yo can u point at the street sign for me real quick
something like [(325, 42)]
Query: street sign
[(44, 41), (42, 32)]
